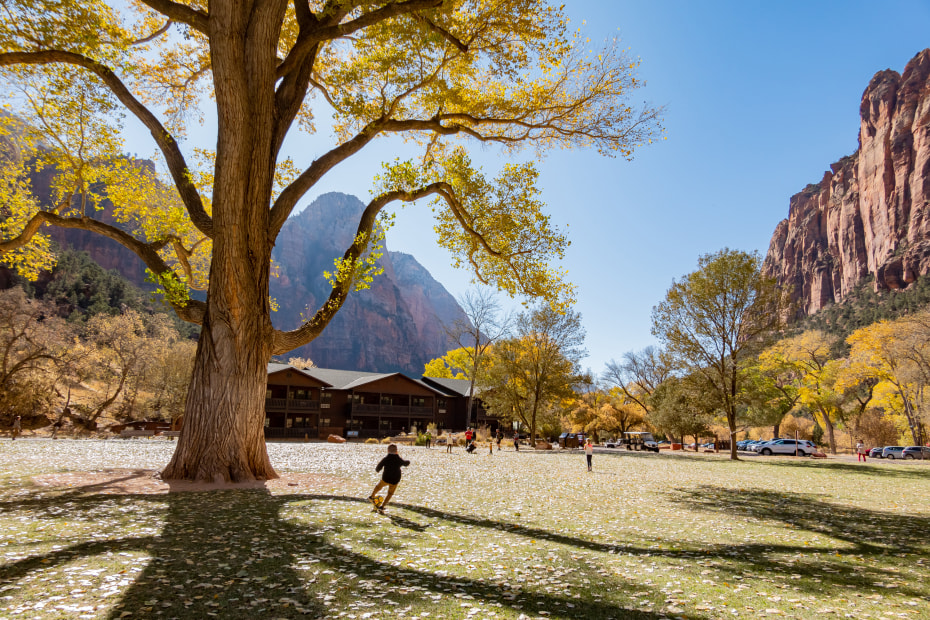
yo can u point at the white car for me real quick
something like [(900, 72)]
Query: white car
[(787, 446)]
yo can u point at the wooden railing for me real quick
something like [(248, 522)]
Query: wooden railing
[(291, 404), (391, 409)]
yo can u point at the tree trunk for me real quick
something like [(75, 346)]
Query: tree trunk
[(776, 430), (828, 426), (731, 422), (222, 438)]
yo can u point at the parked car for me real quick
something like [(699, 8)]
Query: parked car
[(787, 446), (757, 445), (876, 452), (892, 452), (916, 452)]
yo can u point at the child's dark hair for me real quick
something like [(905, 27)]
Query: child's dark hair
[(392, 448)]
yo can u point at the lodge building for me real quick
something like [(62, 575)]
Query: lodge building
[(318, 402)]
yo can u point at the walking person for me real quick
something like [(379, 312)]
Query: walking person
[(429, 438), (589, 454), (861, 452), (500, 436), (449, 440), (516, 442), (17, 427), (391, 465)]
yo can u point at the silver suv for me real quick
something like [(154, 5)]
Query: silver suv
[(892, 452), (787, 446)]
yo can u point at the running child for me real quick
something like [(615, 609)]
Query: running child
[(391, 465)]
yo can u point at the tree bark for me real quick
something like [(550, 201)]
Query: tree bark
[(222, 438), (776, 430)]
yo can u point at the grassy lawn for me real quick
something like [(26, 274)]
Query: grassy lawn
[(511, 535)]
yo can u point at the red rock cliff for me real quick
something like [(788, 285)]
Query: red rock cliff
[(870, 214)]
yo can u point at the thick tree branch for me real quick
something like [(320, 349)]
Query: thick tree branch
[(192, 312), (288, 198), (314, 37), (177, 166), (198, 20)]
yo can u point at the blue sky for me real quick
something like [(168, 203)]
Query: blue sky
[(761, 97)]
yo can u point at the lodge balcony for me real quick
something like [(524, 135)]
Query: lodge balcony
[(291, 404), (390, 410)]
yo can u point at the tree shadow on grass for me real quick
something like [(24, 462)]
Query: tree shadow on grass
[(869, 536), (848, 525), (237, 554), (241, 554), (917, 471)]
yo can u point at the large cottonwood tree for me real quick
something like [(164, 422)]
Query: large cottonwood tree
[(440, 73), (714, 321)]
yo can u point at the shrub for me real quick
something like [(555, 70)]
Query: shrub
[(421, 439), (386, 440), (372, 440)]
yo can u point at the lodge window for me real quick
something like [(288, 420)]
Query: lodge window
[(326, 398), (387, 400), (290, 422), (267, 393), (302, 394), (267, 422), (324, 421), (358, 399), (419, 401)]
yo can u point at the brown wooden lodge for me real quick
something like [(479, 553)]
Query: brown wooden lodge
[(318, 402)]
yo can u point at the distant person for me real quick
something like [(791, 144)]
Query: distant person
[(500, 436), (861, 452), (391, 465), (516, 442), (17, 427), (429, 439), (449, 441), (589, 454)]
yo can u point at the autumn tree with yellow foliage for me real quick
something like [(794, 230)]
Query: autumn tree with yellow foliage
[(443, 74), (895, 354), (807, 359)]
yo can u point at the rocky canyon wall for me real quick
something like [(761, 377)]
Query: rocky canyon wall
[(870, 214)]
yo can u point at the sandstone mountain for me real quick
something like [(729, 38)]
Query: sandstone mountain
[(870, 214), (396, 325)]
